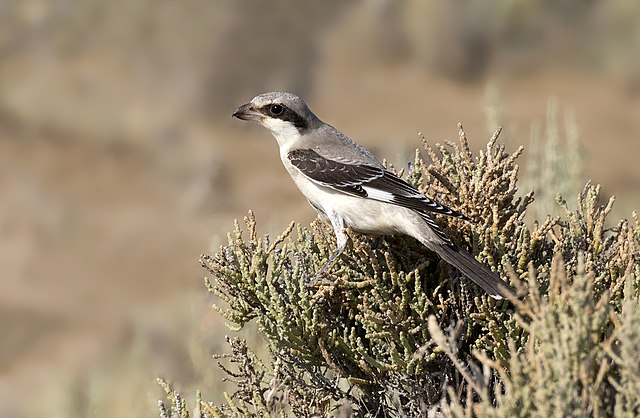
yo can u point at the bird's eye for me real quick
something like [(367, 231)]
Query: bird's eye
[(276, 109)]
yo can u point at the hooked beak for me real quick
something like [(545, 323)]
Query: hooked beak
[(247, 112)]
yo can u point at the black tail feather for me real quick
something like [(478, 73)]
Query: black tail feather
[(474, 270)]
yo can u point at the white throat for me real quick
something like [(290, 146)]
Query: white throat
[(283, 131)]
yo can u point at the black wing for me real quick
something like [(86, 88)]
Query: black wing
[(366, 181)]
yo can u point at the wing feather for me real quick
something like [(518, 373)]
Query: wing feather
[(366, 181)]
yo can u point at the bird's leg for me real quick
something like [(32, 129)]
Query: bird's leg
[(329, 262), (341, 241), (321, 273)]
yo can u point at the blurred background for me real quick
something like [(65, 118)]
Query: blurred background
[(120, 163)]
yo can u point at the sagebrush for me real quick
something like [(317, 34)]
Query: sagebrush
[(400, 333)]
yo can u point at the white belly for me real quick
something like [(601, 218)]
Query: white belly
[(359, 214)]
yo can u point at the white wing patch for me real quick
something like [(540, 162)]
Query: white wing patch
[(378, 194)]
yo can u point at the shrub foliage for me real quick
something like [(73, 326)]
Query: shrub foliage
[(399, 333)]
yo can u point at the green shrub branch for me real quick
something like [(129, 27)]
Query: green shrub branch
[(399, 333)]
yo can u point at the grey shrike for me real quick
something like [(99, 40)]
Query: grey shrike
[(346, 185)]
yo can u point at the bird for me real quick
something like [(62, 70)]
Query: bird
[(350, 188)]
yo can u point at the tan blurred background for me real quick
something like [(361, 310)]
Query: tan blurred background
[(120, 163)]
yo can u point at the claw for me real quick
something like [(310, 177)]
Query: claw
[(320, 277), (322, 274)]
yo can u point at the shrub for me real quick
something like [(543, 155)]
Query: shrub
[(400, 333)]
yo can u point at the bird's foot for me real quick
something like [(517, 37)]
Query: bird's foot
[(320, 278)]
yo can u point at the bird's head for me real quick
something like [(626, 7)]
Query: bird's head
[(284, 114)]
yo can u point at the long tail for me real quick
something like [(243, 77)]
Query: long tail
[(474, 270)]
